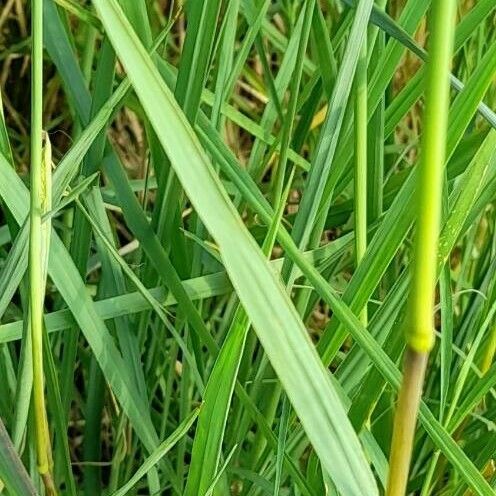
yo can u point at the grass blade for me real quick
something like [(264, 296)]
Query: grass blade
[(196, 176)]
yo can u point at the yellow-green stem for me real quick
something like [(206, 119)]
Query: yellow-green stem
[(419, 319), (38, 244), (490, 351)]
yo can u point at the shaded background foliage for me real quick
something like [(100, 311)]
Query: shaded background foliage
[(252, 120)]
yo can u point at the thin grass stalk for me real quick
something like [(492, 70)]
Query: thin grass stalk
[(419, 320), (39, 235), (292, 105), (361, 161)]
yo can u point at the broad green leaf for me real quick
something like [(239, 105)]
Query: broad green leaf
[(282, 333)]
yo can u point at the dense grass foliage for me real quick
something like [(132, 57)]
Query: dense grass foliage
[(208, 242)]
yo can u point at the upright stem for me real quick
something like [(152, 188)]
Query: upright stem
[(414, 367), (38, 246), (419, 319), (361, 161)]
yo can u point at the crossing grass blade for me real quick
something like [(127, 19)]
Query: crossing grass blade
[(64, 274)]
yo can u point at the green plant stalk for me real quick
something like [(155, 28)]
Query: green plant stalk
[(39, 236), (360, 196), (419, 318)]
